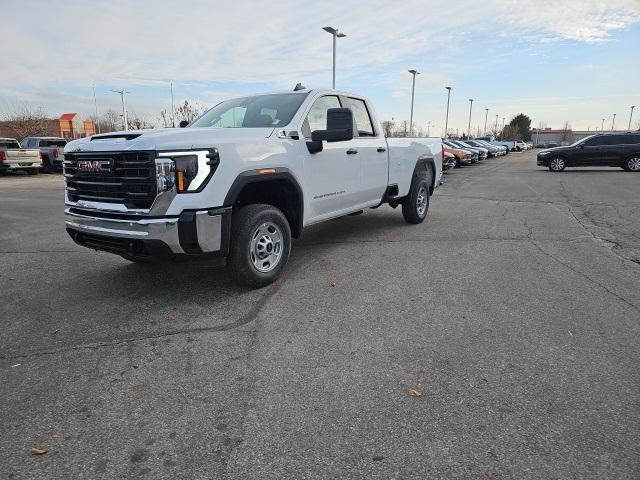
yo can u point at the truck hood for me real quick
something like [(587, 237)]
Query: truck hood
[(167, 139)]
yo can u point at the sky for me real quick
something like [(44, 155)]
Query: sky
[(558, 61)]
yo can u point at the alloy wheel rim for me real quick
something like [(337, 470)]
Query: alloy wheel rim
[(634, 164), (557, 164), (422, 201), (266, 247)]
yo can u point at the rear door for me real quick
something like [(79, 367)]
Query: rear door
[(612, 148), (372, 151)]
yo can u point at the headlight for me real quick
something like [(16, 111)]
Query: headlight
[(165, 174), (186, 171)]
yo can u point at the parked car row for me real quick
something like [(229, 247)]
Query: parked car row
[(466, 152), (32, 155)]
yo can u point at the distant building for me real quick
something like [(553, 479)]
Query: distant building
[(545, 136), (69, 126)]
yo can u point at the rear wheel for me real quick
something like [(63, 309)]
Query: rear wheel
[(632, 163), (47, 167), (557, 164), (260, 245), (416, 206)]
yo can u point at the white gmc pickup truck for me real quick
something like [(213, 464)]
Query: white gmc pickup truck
[(243, 179)]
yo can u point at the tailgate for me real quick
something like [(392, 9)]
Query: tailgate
[(22, 157)]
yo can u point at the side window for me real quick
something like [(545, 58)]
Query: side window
[(28, 143), (361, 116), (629, 139), (317, 117), (615, 140), (595, 141)]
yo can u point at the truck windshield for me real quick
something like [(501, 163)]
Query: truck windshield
[(9, 144), (53, 143), (261, 111)]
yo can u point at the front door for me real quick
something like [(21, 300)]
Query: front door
[(332, 176)]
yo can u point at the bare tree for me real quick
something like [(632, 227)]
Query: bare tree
[(567, 133), (188, 111), (22, 121), (388, 127), (137, 123), (110, 121)]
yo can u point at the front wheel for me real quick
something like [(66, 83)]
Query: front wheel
[(416, 205), (33, 171), (557, 164), (260, 245), (632, 164)]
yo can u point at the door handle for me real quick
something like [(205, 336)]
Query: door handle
[(381, 149), (352, 151)]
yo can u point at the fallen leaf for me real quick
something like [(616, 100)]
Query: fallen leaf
[(333, 284), (414, 392), (38, 451)]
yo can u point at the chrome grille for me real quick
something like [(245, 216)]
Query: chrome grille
[(131, 181)]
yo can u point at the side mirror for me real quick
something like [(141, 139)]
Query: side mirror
[(183, 123), (339, 126)]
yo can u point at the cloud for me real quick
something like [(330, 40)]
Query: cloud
[(150, 42), (212, 50)]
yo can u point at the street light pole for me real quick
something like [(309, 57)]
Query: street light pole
[(496, 125), (125, 121), (486, 115), (446, 122), (95, 104), (602, 126), (336, 34), (631, 116), (413, 72), (613, 122), (469, 127), (173, 116)]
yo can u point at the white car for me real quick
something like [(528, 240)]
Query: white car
[(243, 179), (520, 145)]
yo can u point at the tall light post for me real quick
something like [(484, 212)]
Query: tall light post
[(413, 72), (602, 127), (95, 105), (173, 116), (125, 121), (446, 122), (469, 127), (486, 115), (336, 34), (496, 125), (613, 122), (631, 116)]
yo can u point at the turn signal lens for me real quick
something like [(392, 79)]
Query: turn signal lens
[(186, 171)]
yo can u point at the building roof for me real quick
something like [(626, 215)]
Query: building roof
[(67, 116)]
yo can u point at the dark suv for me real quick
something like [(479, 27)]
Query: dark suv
[(601, 150)]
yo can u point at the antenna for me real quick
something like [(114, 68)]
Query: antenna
[(299, 86)]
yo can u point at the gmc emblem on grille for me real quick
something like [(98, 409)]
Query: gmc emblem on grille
[(94, 166)]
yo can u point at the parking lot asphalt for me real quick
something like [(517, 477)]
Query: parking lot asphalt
[(514, 310)]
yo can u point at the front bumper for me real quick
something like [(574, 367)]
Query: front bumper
[(192, 233), (542, 161)]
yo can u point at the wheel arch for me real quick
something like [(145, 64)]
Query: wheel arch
[(424, 164), (272, 186)]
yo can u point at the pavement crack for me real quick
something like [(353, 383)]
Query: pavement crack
[(586, 277), (248, 317)]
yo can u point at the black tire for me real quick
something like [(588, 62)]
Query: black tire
[(557, 164), (632, 163), (33, 171), (416, 205), (456, 164), (254, 230), (47, 167)]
